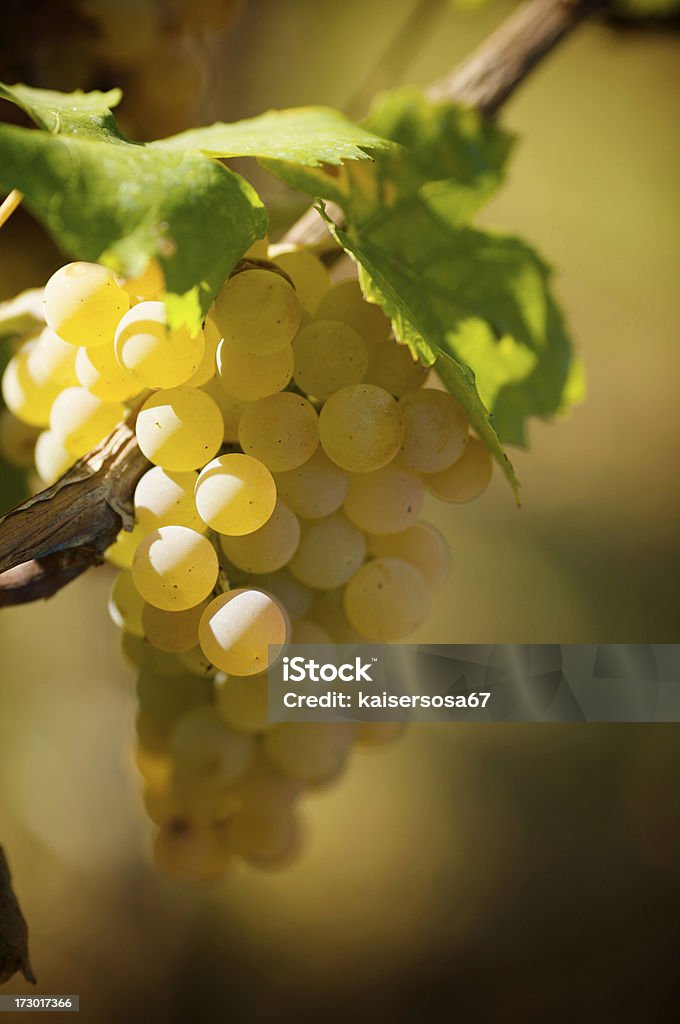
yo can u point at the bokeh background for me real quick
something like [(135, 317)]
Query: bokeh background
[(503, 873)]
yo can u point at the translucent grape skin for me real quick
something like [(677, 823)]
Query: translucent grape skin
[(28, 397), (175, 568), (385, 501), (267, 549), (310, 277), (466, 479), (361, 428), (282, 431), (163, 498), (386, 600), (243, 631), (159, 356), (329, 355), (174, 632), (420, 544), (81, 420), (53, 359), (392, 367), (346, 302), (83, 304), (329, 553), (126, 604), (251, 377), (99, 371), (436, 430), (257, 312), (314, 489), (235, 494), (179, 428)]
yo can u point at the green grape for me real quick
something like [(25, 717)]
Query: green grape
[(242, 702), (99, 371), (436, 430), (17, 440), (81, 420), (377, 734), (160, 357), (310, 751), (295, 597), (422, 545), (346, 302), (174, 632), (27, 397), (308, 274), (330, 551), (190, 854), (179, 429), (282, 431), (329, 355), (167, 499), (206, 749), (257, 312), (392, 367), (361, 428), (315, 489), (251, 377), (175, 568), (150, 284), (307, 632), (386, 600), (243, 631), (466, 479), (207, 368), (266, 549), (195, 661), (53, 359), (235, 494), (230, 407), (385, 501), (126, 604), (122, 551), (83, 304)]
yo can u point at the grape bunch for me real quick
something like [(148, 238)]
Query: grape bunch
[(291, 442)]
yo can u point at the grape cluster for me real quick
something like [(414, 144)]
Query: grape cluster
[(292, 442)]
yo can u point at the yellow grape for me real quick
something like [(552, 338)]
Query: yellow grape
[(328, 612), (99, 371), (195, 662), (295, 597), (386, 600), (207, 368), (308, 274), (346, 302), (313, 752), (123, 549), (28, 398), (180, 428), (330, 551), (251, 377), (81, 420), (163, 498), (160, 357), (150, 284), (436, 430), (175, 568), (230, 407), (53, 359), (268, 841), (174, 632), (329, 355), (392, 367), (282, 431), (242, 702), (257, 312), (307, 632), (314, 489), (83, 304), (420, 544), (385, 501), (243, 631), (266, 549), (361, 428), (466, 479), (138, 652), (126, 604), (235, 494)]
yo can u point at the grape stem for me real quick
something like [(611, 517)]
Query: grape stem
[(59, 533), (13, 931)]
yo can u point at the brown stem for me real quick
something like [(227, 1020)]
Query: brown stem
[(13, 931), (55, 536)]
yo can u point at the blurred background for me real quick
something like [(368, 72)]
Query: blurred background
[(505, 873)]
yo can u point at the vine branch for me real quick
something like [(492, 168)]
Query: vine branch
[(59, 533)]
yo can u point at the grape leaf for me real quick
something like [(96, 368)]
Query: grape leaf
[(103, 198), (308, 136)]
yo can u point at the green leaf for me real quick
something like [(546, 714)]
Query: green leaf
[(308, 136), (76, 113)]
